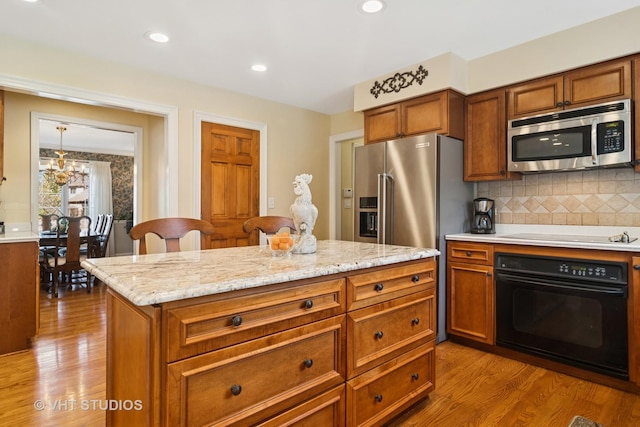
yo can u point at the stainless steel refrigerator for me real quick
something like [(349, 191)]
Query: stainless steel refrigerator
[(410, 192)]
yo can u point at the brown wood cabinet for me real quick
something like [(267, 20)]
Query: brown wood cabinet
[(471, 291), (485, 141), (471, 303), (391, 330), (590, 85), (19, 295), (346, 349), (440, 112)]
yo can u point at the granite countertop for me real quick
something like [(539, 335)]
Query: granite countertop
[(577, 237), (18, 236), (158, 278)]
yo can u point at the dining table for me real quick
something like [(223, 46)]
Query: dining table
[(49, 239)]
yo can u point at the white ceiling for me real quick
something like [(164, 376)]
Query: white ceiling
[(79, 137), (315, 51)]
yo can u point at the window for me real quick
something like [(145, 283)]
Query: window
[(71, 199)]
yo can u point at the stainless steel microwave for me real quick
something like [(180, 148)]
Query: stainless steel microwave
[(580, 138)]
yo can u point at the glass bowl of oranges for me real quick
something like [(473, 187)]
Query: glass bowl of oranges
[(281, 243)]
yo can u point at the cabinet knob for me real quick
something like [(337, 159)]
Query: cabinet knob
[(567, 103), (236, 389), (415, 377), (308, 363), (378, 287), (378, 398), (415, 278), (468, 253), (379, 334), (559, 104), (308, 304), (415, 321), (236, 320), (502, 172), (636, 267), (489, 274)]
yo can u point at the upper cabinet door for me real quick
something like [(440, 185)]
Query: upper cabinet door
[(382, 124), (537, 97), (585, 86), (441, 112), (598, 83), (485, 142)]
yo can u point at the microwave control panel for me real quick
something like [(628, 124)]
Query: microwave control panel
[(610, 137)]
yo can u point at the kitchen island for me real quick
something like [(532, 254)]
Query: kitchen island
[(345, 336)]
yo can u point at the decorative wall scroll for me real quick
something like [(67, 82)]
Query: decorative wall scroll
[(399, 81)]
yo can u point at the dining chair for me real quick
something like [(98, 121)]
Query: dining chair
[(48, 221), (103, 236), (269, 224), (171, 230), (63, 263)]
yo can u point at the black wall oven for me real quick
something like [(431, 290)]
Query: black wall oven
[(569, 310)]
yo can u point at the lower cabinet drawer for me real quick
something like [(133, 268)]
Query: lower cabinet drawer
[(325, 410), (386, 330), (209, 326), (381, 393), (250, 382), (373, 287)]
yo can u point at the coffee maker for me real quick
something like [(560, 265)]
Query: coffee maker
[(483, 216)]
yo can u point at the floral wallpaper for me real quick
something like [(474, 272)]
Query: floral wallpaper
[(121, 177)]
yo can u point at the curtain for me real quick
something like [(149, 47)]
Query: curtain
[(100, 197)]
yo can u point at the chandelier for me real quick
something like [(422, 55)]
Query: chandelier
[(63, 173)]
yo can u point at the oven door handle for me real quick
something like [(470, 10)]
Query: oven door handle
[(609, 290)]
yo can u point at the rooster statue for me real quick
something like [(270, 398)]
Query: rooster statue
[(304, 215)]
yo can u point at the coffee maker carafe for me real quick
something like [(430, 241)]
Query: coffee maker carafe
[(483, 216)]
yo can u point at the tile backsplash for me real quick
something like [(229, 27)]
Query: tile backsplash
[(609, 197)]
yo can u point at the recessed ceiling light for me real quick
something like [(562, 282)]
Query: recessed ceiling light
[(372, 6), (259, 67), (157, 37), (31, 1)]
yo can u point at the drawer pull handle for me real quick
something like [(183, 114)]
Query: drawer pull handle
[(378, 287), (468, 253), (236, 389), (308, 363), (415, 321), (378, 398), (379, 334), (415, 377), (416, 278), (636, 267), (308, 304), (236, 320)]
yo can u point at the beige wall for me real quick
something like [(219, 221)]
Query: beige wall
[(297, 139), (606, 38), (597, 41), (18, 108)]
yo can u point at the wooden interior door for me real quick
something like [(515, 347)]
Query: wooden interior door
[(230, 181)]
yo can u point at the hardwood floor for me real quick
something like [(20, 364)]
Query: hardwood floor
[(474, 388), (66, 365), (64, 369)]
